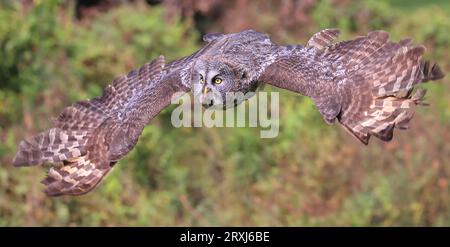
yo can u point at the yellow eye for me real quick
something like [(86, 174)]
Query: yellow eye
[(217, 81), (202, 81)]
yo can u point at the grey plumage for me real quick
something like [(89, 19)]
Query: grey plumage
[(367, 84)]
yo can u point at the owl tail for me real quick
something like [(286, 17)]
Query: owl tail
[(384, 74)]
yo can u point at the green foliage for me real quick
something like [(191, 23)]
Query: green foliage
[(311, 174), (361, 16)]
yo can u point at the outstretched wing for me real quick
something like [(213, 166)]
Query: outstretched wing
[(366, 83), (209, 37), (323, 38), (90, 136)]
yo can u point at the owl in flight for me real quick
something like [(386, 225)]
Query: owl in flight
[(367, 84)]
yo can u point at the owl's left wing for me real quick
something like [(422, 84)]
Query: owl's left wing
[(366, 83)]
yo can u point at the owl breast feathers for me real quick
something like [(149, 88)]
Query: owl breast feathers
[(367, 84)]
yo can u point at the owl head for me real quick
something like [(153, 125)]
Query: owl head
[(218, 84)]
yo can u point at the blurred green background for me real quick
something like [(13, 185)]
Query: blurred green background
[(53, 53)]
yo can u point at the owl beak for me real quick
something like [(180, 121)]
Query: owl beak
[(206, 90), (207, 99)]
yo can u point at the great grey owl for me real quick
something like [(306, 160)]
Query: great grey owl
[(367, 84)]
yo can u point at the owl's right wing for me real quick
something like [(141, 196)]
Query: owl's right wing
[(366, 83), (90, 136)]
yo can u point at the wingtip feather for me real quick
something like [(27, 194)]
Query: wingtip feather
[(26, 155)]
